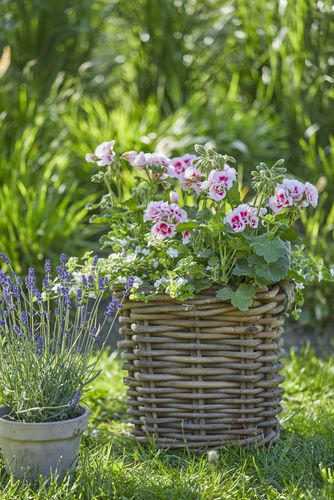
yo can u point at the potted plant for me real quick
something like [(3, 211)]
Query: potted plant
[(214, 267), (46, 365)]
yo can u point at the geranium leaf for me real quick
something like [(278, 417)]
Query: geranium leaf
[(233, 195), (271, 272), (202, 284), (270, 249), (243, 268), (225, 293), (243, 297)]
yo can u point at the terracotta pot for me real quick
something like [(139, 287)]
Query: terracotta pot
[(33, 449)]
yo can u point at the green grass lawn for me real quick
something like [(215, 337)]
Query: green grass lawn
[(112, 465)]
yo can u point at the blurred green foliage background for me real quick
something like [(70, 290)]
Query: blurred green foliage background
[(255, 78)]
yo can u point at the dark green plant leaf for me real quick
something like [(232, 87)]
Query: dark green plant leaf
[(225, 293), (270, 249), (233, 195), (186, 226), (202, 284), (242, 298)]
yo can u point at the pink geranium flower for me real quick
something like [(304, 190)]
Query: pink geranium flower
[(242, 216), (188, 159), (192, 179), (174, 197), (295, 188), (165, 216), (163, 230), (225, 177), (144, 159), (154, 211), (186, 237), (235, 221), (130, 156), (176, 168), (293, 193), (219, 181), (217, 191), (281, 199), (179, 164), (103, 155), (178, 213), (311, 194)]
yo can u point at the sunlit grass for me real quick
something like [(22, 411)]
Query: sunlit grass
[(113, 465)]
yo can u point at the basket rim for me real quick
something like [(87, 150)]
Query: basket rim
[(286, 286)]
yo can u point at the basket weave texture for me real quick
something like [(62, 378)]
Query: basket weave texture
[(202, 373)]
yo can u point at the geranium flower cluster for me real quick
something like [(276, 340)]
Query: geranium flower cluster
[(242, 216), (219, 181), (166, 217), (213, 184), (142, 160), (183, 169), (293, 193), (239, 238), (103, 155)]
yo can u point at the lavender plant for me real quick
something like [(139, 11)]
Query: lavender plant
[(47, 339)]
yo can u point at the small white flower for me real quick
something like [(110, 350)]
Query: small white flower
[(113, 256), (331, 270), (122, 279), (208, 268), (137, 283), (181, 281), (160, 282), (145, 251), (138, 249), (123, 242), (172, 252), (320, 275), (131, 257), (299, 286), (155, 264), (77, 276)]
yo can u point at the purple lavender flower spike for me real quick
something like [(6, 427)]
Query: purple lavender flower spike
[(39, 345), (129, 285), (38, 296), (47, 266), (63, 258), (75, 400), (4, 257), (112, 307), (93, 333), (17, 330), (63, 274), (30, 279), (24, 316), (95, 261), (79, 297), (46, 284)]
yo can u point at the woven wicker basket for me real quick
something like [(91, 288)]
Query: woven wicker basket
[(202, 373)]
